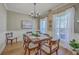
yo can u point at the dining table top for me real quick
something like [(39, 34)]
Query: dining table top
[(41, 37)]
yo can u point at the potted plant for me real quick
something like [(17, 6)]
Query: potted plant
[(35, 34), (74, 44)]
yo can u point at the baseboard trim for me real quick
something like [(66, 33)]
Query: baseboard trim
[(2, 49)]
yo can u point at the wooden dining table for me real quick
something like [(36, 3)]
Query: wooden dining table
[(38, 39), (41, 37), (41, 40)]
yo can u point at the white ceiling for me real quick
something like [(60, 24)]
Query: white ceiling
[(26, 8)]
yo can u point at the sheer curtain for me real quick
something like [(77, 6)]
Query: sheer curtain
[(63, 25)]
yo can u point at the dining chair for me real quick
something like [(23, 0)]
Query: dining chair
[(30, 46), (38, 32), (50, 47), (28, 32), (24, 39), (10, 37), (46, 34)]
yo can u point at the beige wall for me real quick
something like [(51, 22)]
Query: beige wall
[(14, 24), (2, 27), (14, 20), (49, 25)]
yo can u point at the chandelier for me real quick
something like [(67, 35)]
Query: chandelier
[(34, 13)]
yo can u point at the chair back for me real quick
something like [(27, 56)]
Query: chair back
[(46, 41), (8, 35), (26, 38), (26, 41), (29, 33), (55, 42)]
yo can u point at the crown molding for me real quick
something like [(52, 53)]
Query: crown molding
[(62, 7), (5, 5)]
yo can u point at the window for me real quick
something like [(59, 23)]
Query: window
[(61, 27), (63, 23), (43, 25)]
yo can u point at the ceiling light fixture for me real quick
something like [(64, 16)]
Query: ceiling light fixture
[(34, 13)]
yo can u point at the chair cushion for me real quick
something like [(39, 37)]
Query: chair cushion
[(8, 36), (47, 49), (32, 45), (11, 38), (54, 47)]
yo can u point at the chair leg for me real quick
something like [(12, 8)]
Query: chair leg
[(39, 48), (56, 52), (40, 51), (11, 42), (25, 52), (23, 44), (28, 52), (6, 42), (16, 40), (37, 51)]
